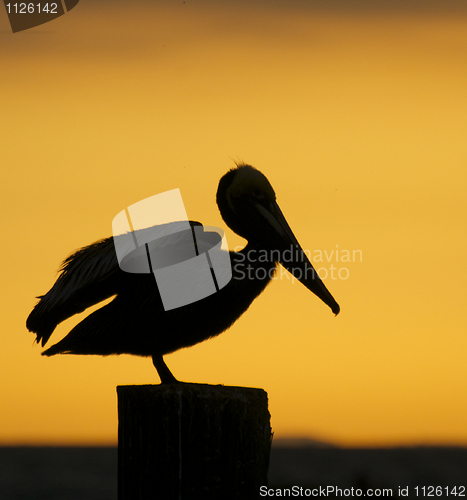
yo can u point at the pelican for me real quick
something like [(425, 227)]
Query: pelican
[(135, 322)]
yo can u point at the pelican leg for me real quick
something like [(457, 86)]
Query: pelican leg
[(162, 369)]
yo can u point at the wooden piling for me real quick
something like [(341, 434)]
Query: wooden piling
[(186, 441)]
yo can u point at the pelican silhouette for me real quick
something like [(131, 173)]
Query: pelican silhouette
[(135, 322)]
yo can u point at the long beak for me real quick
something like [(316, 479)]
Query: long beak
[(294, 258)]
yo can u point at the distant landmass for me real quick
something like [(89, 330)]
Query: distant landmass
[(63, 473)]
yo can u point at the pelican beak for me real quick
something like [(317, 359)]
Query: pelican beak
[(293, 258)]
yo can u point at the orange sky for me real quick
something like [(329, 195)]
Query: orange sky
[(358, 119)]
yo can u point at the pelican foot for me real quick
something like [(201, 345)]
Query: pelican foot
[(163, 370)]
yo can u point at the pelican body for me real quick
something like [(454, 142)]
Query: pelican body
[(135, 322)]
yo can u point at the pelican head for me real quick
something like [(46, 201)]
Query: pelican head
[(247, 203)]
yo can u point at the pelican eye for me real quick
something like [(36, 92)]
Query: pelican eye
[(257, 193)]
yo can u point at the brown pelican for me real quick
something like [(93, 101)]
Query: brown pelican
[(135, 322)]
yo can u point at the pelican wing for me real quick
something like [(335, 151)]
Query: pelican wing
[(87, 277)]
